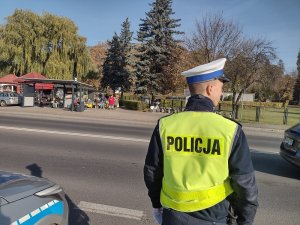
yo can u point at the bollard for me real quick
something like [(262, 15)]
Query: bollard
[(236, 116), (285, 116), (257, 114), (181, 103)]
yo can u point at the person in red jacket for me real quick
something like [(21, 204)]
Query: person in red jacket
[(111, 102)]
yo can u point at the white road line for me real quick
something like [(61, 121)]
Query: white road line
[(73, 134), (264, 150), (111, 210)]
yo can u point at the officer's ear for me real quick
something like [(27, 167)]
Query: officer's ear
[(209, 88)]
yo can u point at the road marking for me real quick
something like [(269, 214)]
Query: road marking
[(111, 210), (265, 150), (73, 134)]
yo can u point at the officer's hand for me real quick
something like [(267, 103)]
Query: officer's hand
[(157, 214)]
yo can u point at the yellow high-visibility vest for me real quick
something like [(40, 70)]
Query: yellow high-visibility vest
[(196, 148)]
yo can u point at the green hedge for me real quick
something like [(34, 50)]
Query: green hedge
[(167, 103), (134, 105)]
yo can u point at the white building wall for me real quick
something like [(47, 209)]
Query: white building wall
[(246, 97)]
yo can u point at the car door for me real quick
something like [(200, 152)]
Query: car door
[(3, 99), (14, 98)]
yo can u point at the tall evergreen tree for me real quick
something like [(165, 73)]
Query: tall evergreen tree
[(126, 45), (112, 64), (125, 37), (296, 94), (116, 71), (156, 37)]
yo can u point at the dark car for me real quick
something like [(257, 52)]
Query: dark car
[(290, 146), (31, 200)]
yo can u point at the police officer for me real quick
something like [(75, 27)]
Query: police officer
[(198, 164)]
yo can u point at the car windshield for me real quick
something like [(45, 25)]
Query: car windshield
[(5, 177)]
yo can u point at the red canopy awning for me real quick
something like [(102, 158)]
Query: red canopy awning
[(43, 86)]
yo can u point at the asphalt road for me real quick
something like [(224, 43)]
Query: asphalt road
[(99, 162)]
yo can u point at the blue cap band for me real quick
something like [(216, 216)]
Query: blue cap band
[(204, 77)]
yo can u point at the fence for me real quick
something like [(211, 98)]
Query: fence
[(255, 112), (266, 115)]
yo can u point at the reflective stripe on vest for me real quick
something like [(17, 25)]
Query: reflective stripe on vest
[(196, 149)]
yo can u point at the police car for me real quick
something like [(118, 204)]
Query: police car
[(28, 200)]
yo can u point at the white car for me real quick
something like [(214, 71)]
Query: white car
[(9, 98)]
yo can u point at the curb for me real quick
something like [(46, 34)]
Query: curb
[(118, 115)]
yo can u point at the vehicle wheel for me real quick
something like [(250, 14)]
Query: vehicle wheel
[(2, 103)]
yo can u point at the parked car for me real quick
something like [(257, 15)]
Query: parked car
[(290, 146), (31, 200), (9, 98)]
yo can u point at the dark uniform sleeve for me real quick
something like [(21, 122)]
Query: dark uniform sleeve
[(244, 198), (153, 168)]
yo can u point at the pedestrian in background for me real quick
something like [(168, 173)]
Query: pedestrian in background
[(111, 102), (116, 97), (198, 163), (102, 101)]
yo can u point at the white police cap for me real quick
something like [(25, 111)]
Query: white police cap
[(206, 72)]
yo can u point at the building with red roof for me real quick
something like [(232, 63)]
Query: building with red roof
[(37, 86), (9, 83)]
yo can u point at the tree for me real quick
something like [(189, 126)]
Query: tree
[(247, 67), (246, 58), (17, 42), (266, 90), (4, 56), (125, 39), (214, 38), (116, 72), (98, 54), (173, 81), (296, 93), (156, 37), (283, 88), (113, 64), (47, 44)]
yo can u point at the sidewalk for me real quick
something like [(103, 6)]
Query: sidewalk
[(117, 115)]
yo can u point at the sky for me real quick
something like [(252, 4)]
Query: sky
[(277, 21)]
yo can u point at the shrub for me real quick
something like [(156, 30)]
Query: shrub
[(134, 105), (167, 103)]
